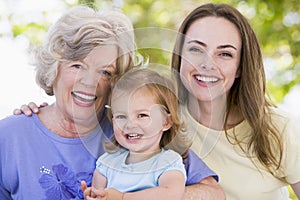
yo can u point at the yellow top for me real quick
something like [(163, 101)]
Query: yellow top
[(238, 176)]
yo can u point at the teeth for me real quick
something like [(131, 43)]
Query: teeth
[(84, 96), (206, 79), (134, 136)]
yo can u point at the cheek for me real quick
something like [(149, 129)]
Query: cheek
[(156, 125), (231, 72), (185, 63), (230, 75), (63, 83), (117, 130), (184, 76), (117, 126)]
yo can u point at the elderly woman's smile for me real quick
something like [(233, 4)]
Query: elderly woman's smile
[(82, 87), (83, 98)]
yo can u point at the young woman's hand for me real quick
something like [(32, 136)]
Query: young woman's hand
[(29, 109)]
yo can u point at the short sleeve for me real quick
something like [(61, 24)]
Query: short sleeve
[(291, 163), (196, 169), (177, 164)]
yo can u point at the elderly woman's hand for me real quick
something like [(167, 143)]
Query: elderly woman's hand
[(29, 109)]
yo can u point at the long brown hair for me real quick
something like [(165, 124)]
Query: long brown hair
[(248, 93)]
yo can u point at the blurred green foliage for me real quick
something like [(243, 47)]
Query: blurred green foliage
[(276, 22)]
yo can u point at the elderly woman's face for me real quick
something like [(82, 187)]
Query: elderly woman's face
[(81, 87)]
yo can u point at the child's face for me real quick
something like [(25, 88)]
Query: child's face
[(138, 121)]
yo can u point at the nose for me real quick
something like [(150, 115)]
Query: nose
[(125, 124), (207, 62), (129, 124), (89, 78)]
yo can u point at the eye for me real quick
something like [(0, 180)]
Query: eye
[(195, 49), (119, 116), (76, 66), (226, 54), (143, 115), (105, 73)]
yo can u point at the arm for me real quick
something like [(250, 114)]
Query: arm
[(296, 188), (171, 186), (99, 181), (207, 189), (96, 191), (202, 182)]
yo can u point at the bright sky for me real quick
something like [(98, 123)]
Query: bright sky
[(17, 79)]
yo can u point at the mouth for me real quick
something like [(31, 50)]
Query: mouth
[(83, 98), (132, 136), (206, 79)]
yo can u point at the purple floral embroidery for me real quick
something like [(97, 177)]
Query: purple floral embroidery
[(61, 183)]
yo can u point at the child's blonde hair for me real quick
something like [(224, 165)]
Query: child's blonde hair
[(164, 89)]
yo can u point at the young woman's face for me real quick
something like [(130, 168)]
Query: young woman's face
[(210, 57), (81, 87), (138, 121)]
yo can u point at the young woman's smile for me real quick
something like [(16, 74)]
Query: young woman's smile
[(210, 57)]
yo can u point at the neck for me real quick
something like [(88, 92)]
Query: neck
[(135, 157), (63, 125), (210, 114)]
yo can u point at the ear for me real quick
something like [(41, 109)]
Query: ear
[(168, 123)]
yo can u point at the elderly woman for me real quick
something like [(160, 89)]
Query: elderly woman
[(57, 148), (47, 155)]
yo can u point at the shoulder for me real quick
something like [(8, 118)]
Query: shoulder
[(112, 159), (169, 154), (13, 119), (283, 121), (17, 128), (280, 115), (14, 123), (167, 159)]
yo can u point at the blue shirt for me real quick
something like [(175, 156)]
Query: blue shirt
[(137, 176), (38, 164)]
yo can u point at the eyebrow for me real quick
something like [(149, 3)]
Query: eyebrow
[(219, 47), (102, 66)]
